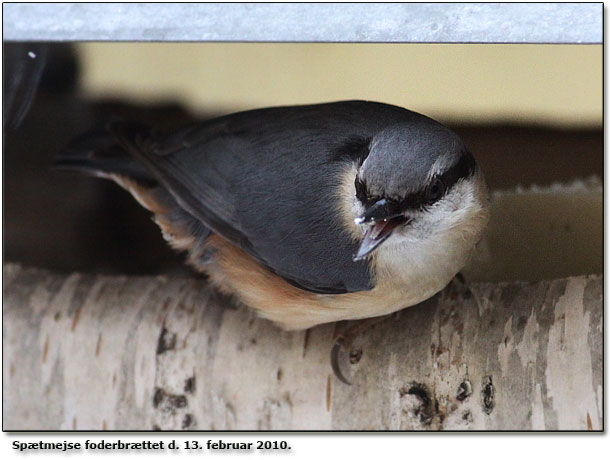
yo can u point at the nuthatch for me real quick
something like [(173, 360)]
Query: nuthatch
[(308, 214)]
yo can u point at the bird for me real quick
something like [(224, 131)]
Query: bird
[(308, 214)]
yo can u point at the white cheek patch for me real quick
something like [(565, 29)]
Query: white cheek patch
[(446, 214), (349, 206)]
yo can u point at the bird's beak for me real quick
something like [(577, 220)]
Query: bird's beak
[(381, 220)]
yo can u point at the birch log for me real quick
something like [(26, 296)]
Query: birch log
[(93, 352)]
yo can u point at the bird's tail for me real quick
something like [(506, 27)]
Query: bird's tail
[(108, 152), (100, 153)]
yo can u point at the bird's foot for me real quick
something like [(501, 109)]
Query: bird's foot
[(343, 349), (460, 285)]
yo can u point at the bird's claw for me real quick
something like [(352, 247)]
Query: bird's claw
[(338, 346)]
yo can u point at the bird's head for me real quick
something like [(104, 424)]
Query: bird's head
[(417, 181)]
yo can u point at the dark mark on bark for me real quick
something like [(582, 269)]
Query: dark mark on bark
[(156, 428), (305, 341), (440, 350), (425, 408), (328, 394), (487, 394), (226, 300), (464, 390), (45, 349), (176, 401), (279, 374), (185, 307), (100, 292), (167, 341), (187, 421), (189, 385), (75, 318), (158, 397), (98, 346), (167, 401)]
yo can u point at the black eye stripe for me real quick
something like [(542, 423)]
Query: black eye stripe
[(464, 168), (436, 190)]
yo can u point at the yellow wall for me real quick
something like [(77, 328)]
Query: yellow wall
[(557, 84)]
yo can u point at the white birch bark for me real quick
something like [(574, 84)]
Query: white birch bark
[(99, 352)]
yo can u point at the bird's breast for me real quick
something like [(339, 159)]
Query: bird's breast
[(235, 272)]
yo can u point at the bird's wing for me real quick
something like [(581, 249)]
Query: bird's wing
[(268, 182)]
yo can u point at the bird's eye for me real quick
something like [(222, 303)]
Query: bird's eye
[(360, 190), (436, 191)]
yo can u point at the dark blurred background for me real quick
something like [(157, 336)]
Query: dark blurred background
[(66, 221)]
